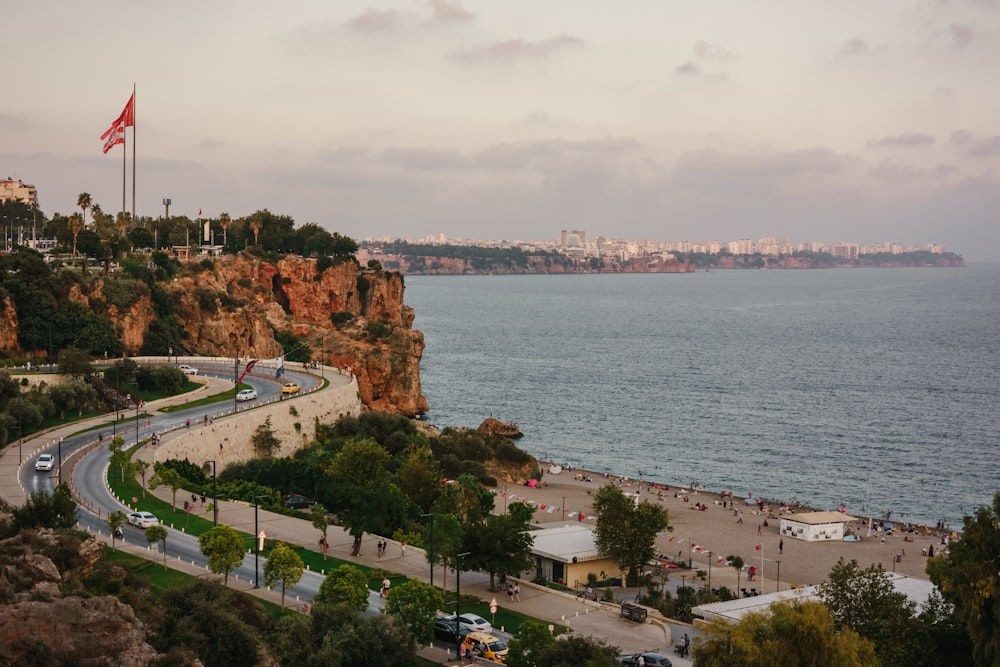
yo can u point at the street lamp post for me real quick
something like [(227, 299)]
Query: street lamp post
[(215, 497), (60, 461), (431, 555), (256, 543), (709, 571), (458, 599), (777, 587), (138, 403), (562, 510)]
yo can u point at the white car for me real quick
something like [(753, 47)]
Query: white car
[(143, 519), (246, 395), (475, 623), (188, 370), (45, 462)]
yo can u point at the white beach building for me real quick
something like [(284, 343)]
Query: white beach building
[(815, 526)]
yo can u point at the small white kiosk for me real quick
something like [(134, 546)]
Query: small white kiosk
[(815, 526)]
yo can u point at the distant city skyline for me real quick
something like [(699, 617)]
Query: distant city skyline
[(850, 120)]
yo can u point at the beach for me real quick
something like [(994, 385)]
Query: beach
[(714, 533)]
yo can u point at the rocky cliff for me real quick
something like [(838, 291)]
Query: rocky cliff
[(233, 306)]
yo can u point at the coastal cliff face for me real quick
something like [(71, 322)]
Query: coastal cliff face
[(233, 305), (449, 266)]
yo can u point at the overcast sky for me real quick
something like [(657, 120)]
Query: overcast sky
[(854, 120)]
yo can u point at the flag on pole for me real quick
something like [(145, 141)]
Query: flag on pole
[(759, 547), (246, 370), (115, 134), (281, 367), (199, 212)]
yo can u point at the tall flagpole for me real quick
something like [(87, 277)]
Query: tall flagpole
[(124, 157), (133, 153)]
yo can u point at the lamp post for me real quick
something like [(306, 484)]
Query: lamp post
[(709, 572), (60, 461), (138, 404), (215, 497), (562, 509), (431, 555), (256, 543), (777, 588), (458, 599)]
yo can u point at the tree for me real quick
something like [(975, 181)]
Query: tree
[(223, 547), (344, 585), (501, 544), (41, 510), (320, 521), (447, 544), (283, 566), (264, 440), (158, 534), (626, 531), (84, 200), (533, 639), (74, 395), (225, 220), (577, 650), (969, 578), (737, 563), (75, 226), (361, 492), (119, 457), (115, 522), (415, 604), (789, 635), (865, 601), (168, 477), (74, 361), (141, 468)]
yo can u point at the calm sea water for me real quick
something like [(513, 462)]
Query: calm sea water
[(878, 388)]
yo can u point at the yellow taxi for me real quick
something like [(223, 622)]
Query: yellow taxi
[(486, 646), (290, 388)]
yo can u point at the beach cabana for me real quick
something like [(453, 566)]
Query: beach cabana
[(815, 526)]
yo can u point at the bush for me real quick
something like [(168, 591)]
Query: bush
[(189, 471)]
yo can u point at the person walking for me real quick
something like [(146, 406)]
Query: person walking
[(781, 547), (517, 592)]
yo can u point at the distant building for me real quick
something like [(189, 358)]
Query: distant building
[(568, 553), (11, 190)]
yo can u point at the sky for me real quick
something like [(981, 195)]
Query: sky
[(646, 119)]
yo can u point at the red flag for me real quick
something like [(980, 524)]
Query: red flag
[(759, 547), (199, 212), (253, 362), (115, 134), (113, 137), (672, 538)]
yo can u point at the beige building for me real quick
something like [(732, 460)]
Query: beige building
[(566, 554), (11, 190), (815, 526)]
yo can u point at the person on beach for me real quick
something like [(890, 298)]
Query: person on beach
[(740, 519), (781, 547)]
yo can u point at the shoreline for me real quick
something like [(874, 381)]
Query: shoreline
[(707, 537)]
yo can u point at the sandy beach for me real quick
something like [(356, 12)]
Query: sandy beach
[(717, 530)]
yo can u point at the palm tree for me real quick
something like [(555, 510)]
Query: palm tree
[(121, 222), (255, 226), (75, 225), (96, 213), (225, 221), (84, 201)]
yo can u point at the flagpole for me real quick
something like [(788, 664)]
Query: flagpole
[(761, 568), (133, 153), (124, 159)]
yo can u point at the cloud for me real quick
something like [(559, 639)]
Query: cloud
[(904, 140), (379, 20), (961, 35), (712, 53), (854, 46), (518, 49), (976, 145), (449, 12)]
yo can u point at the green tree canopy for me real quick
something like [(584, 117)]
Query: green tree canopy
[(626, 531), (969, 578), (800, 635), (533, 639), (158, 534), (502, 544), (344, 585), (223, 547), (283, 566), (415, 604)]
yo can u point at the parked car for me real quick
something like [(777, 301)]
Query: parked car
[(246, 394), (45, 462), (650, 660), (143, 519), (476, 623), (188, 370), (444, 629), (486, 646), (290, 388), (297, 502)]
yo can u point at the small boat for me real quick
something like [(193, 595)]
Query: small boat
[(496, 427)]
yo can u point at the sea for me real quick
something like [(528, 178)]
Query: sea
[(873, 389)]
